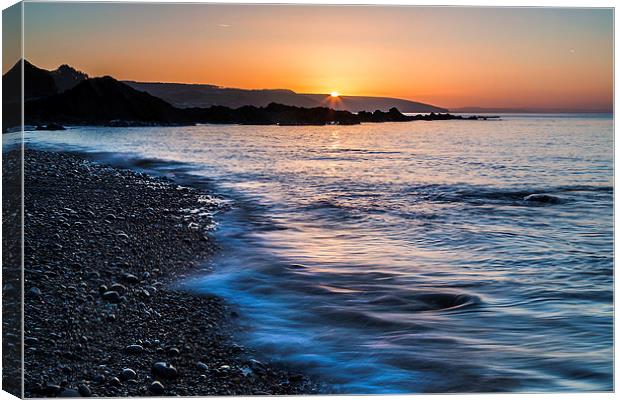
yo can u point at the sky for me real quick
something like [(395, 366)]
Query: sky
[(446, 56)]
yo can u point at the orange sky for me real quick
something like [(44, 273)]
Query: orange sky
[(452, 57)]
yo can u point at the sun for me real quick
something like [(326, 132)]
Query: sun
[(335, 94)]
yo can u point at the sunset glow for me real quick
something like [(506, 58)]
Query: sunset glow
[(448, 56), (334, 94)]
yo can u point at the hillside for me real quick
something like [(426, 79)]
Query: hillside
[(99, 101), (199, 95), (106, 101)]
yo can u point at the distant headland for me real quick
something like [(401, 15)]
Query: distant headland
[(68, 96)]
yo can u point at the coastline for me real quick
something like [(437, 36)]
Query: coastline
[(103, 249)]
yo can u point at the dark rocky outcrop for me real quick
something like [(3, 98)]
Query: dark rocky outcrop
[(273, 114), (106, 101), (37, 83), (99, 101), (68, 96)]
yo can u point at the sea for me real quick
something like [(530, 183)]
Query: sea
[(402, 257)]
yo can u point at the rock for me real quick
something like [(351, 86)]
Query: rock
[(30, 341), (256, 365), (117, 287), (156, 388), (115, 382), (84, 390), (130, 278), (134, 349), (103, 289), (112, 296), (164, 370), (35, 292), (110, 217), (542, 198), (202, 366), (68, 392), (173, 351), (52, 389), (9, 289), (50, 127), (128, 373)]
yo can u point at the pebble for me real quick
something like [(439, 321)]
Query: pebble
[(128, 374), (52, 389), (117, 287), (134, 349), (164, 370), (202, 366), (130, 278), (9, 289), (115, 382), (112, 297), (68, 392), (156, 387), (35, 292), (84, 390)]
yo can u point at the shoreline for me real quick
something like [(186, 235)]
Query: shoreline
[(103, 249)]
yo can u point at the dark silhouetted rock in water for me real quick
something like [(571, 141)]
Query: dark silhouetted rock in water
[(273, 114), (50, 127), (542, 198), (394, 115)]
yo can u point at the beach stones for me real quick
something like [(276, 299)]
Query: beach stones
[(134, 349), (68, 392), (156, 388), (117, 287), (164, 370), (112, 296), (202, 366), (128, 373), (115, 382), (35, 292), (51, 389), (130, 278), (84, 390)]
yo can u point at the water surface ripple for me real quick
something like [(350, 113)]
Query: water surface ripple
[(405, 257)]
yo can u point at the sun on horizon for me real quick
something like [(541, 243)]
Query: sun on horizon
[(334, 94)]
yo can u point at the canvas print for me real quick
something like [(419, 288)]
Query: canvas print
[(230, 199)]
